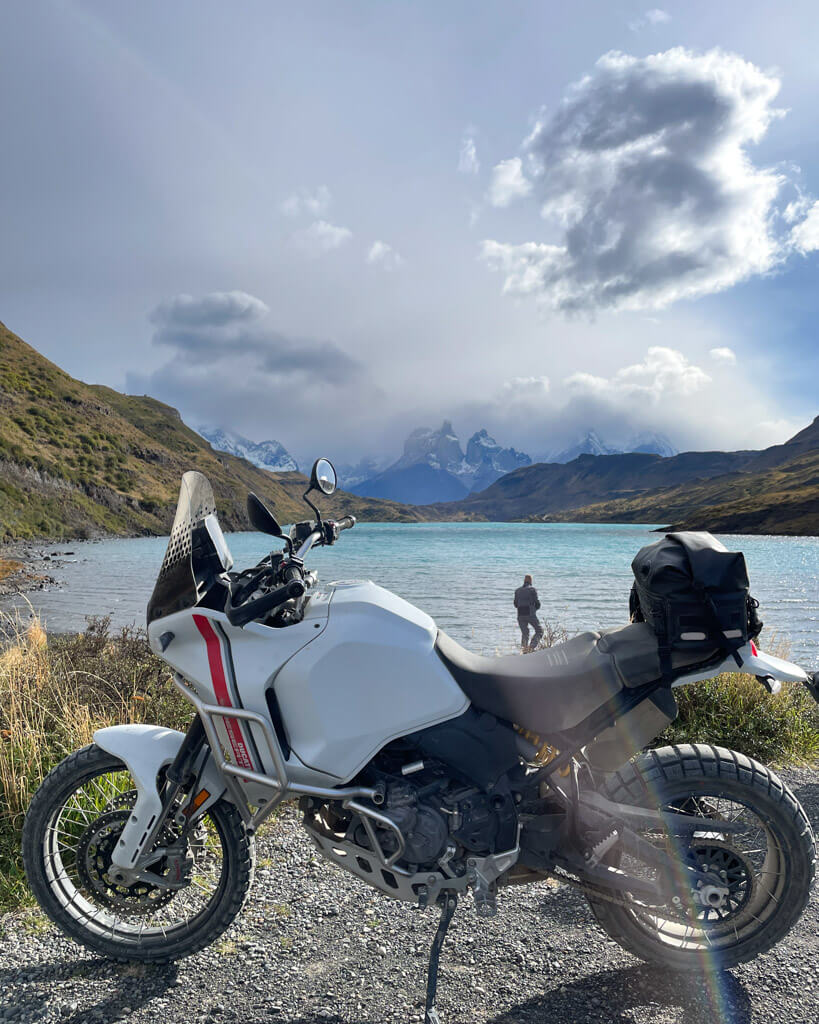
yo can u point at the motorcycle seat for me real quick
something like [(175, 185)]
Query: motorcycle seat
[(555, 688)]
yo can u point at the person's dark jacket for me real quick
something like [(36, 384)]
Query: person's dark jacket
[(526, 600)]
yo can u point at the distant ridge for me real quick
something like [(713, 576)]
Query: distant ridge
[(772, 491)]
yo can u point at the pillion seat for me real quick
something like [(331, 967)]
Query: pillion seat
[(556, 688)]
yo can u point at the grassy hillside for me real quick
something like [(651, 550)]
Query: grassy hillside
[(783, 499), (79, 460)]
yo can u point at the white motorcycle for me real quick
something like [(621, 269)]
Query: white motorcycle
[(423, 769)]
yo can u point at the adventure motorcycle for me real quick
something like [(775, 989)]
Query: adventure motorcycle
[(421, 768)]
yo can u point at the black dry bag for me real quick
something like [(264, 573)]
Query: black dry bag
[(694, 593)]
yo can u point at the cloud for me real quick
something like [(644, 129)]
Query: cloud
[(223, 330), (214, 310), (650, 18), (313, 203), (646, 190), (508, 182), (664, 372), (321, 237), (468, 162), (726, 356), (805, 236), (383, 254)]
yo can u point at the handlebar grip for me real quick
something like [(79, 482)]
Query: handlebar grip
[(254, 609), (293, 571), (347, 523)]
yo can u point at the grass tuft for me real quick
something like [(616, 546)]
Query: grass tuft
[(54, 693)]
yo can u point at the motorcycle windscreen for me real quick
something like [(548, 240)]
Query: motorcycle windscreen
[(177, 586)]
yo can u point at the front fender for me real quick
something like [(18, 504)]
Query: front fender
[(145, 750)]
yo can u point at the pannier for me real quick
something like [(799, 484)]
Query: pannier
[(694, 593)]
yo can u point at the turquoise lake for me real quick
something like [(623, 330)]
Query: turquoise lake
[(463, 574)]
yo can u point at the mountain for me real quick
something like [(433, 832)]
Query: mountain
[(547, 488), (591, 444), (351, 474), (489, 461), (81, 460), (434, 467), (651, 444), (269, 455), (776, 492)]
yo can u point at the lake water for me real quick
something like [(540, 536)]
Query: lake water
[(463, 574)]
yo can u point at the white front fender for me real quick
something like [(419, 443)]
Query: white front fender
[(145, 749)]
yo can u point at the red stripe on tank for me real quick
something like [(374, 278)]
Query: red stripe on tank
[(220, 689)]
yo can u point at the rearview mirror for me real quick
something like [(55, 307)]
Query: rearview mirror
[(323, 476), (261, 518)]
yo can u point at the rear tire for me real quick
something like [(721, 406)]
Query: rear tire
[(125, 941), (671, 773)]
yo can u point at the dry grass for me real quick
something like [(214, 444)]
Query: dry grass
[(54, 693), (8, 566)]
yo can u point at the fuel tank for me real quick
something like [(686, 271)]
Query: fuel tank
[(371, 676)]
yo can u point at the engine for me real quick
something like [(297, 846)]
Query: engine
[(442, 820)]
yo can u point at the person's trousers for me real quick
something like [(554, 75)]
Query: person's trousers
[(525, 621)]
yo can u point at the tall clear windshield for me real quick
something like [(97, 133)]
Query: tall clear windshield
[(181, 576)]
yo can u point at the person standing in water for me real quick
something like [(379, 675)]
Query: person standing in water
[(527, 604)]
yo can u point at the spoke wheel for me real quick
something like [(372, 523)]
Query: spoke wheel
[(762, 870), (71, 831)]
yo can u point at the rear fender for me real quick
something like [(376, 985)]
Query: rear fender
[(145, 750), (755, 663)]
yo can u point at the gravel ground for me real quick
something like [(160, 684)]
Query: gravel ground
[(315, 945)]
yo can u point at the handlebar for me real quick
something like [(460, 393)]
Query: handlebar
[(293, 575), (255, 609)]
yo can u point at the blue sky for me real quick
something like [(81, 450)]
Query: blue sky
[(393, 213)]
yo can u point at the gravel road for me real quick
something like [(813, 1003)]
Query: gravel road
[(315, 945)]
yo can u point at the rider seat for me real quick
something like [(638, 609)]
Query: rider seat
[(554, 689)]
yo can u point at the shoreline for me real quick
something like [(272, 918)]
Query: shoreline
[(25, 565)]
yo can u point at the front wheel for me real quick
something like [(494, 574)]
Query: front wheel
[(767, 867), (71, 828)]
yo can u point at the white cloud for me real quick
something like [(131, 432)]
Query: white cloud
[(646, 190), (508, 182), (726, 356), (526, 388), (322, 237), (664, 372), (304, 201), (805, 236), (652, 17), (468, 162), (384, 255)]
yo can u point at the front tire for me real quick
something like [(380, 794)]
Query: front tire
[(73, 820), (781, 867)]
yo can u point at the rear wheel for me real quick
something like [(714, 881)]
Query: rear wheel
[(766, 869), (71, 829)]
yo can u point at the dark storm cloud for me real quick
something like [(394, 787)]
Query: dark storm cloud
[(225, 327)]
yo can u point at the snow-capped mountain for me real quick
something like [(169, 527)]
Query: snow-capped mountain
[(434, 467), (592, 444), (349, 475), (270, 455), (653, 444)]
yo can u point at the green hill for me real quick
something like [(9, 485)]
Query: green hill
[(783, 500), (80, 460)]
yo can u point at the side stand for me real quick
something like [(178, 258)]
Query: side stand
[(448, 905)]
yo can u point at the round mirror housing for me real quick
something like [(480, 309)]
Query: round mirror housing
[(323, 476)]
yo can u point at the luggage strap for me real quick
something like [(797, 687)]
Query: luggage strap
[(716, 631)]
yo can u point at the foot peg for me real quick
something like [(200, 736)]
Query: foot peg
[(447, 902)]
